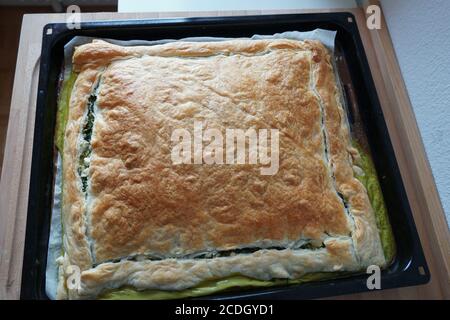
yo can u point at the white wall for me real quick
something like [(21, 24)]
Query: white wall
[(211, 5), (420, 32)]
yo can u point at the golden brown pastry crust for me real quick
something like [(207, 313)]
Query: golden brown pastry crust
[(139, 204)]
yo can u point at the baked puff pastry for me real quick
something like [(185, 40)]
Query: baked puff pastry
[(133, 218)]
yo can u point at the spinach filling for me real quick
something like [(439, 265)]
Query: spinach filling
[(85, 147), (216, 254)]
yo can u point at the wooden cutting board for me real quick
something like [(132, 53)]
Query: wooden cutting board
[(414, 167)]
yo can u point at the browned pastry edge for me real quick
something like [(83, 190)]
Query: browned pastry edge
[(365, 235)]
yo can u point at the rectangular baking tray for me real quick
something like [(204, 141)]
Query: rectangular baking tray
[(409, 266)]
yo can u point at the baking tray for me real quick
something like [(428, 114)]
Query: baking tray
[(409, 266)]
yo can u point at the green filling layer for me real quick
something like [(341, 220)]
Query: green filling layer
[(63, 110), (369, 180), (212, 287)]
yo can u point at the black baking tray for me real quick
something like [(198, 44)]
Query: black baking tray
[(409, 267)]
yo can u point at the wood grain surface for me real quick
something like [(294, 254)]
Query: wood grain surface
[(402, 126)]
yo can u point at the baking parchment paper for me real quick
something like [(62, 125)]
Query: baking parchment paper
[(327, 37)]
